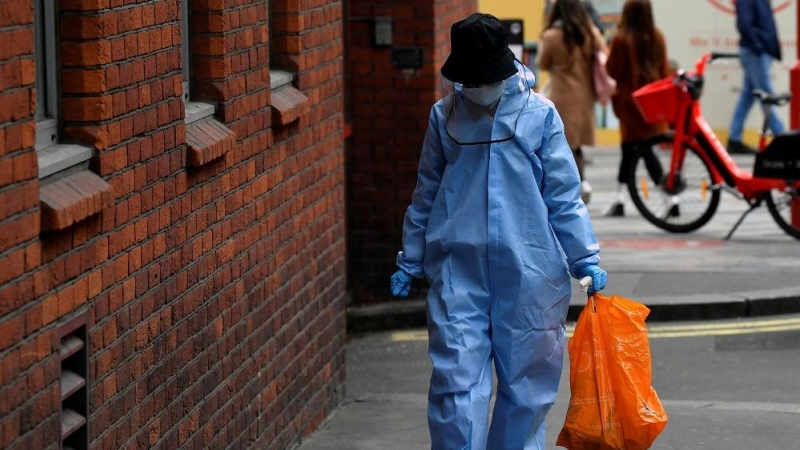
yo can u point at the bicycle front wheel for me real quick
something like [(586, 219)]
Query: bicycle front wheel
[(688, 205), (782, 204)]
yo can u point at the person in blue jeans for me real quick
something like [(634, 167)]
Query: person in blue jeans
[(758, 46)]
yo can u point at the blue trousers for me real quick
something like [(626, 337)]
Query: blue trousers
[(467, 334), (756, 76)]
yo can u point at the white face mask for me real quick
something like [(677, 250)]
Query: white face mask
[(485, 95)]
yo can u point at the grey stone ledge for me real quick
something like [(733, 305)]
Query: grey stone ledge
[(58, 157)]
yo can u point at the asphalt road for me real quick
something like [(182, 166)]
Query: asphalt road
[(729, 385)]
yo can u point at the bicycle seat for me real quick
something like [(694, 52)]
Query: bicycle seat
[(772, 99)]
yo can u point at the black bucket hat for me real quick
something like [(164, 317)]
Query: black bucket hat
[(479, 51)]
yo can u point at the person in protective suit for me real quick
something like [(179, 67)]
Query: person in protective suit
[(497, 226)]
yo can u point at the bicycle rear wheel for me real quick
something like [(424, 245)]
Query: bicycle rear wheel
[(779, 203), (686, 207)]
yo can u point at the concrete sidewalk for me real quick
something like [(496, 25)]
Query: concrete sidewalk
[(693, 276)]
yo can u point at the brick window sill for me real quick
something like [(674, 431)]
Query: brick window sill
[(73, 198), (288, 103), (208, 140)]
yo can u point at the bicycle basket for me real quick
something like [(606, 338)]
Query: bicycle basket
[(658, 101)]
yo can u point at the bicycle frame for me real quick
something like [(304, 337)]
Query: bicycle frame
[(692, 130)]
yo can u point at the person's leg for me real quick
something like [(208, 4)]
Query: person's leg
[(760, 75), (651, 162), (577, 153), (749, 62), (528, 346), (628, 152), (586, 188), (616, 208), (460, 350), (653, 165)]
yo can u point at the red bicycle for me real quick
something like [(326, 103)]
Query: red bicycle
[(685, 196)]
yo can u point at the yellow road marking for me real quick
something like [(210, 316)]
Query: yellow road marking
[(727, 325), (722, 332), (668, 331), (718, 329), (404, 336)]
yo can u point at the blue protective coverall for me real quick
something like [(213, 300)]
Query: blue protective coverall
[(497, 229)]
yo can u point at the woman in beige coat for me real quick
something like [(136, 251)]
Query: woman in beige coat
[(569, 43)]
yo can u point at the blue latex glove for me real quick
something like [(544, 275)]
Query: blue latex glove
[(401, 283), (599, 277)]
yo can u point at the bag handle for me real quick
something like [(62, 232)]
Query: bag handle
[(585, 282)]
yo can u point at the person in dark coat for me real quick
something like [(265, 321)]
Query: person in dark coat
[(638, 56)]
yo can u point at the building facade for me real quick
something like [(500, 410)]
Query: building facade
[(391, 85), (172, 222)]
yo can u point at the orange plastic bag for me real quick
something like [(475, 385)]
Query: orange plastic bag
[(612, 404)]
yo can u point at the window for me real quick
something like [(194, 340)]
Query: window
[(207, 139), (194, 110), (61, 165), (288, 103), (277, 76), (55, 158), (46, 76), (186, 48)]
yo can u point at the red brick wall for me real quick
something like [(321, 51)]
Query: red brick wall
[(389, 112), (28, 395), (214, 295)]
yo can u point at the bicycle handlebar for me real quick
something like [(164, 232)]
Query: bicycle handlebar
[(709, 57), (722, 55), (693, 81)]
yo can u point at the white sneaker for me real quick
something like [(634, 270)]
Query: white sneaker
[(614, 209), (586, 191), (617, 206), (669, 208)]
